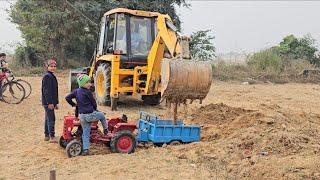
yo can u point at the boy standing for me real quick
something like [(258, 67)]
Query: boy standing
[(87, 108), (3, 66), (50, 100), (3, 62)]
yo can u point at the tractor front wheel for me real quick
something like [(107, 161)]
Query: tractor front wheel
[(123, 142), (74, 148)]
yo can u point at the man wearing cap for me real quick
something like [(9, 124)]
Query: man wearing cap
[(87, 109), (50, 99)]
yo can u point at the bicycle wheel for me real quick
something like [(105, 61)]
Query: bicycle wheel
[(27, 87), (13, 92)]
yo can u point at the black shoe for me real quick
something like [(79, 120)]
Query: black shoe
[(85, 152), (105, 131)]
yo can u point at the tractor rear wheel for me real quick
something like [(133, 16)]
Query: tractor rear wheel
[(123, 142), (102, 83)]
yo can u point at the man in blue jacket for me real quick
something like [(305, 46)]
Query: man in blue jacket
[(87, 109), (50, 100)]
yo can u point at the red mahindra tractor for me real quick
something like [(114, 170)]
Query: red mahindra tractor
[(120, 138)]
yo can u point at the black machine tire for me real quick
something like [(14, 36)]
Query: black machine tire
[(152, 100), (27, 87), (125, 136), (102, 91), (74, 148), (62, 142), (175, 143), (8, 87), (73, 84)]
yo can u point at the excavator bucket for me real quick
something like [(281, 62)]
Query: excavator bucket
[(183, 80)]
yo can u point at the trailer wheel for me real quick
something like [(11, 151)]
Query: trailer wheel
[(123, 142), (158, 144), (175, 143), (102, 83), (62, 142), (74, 148)]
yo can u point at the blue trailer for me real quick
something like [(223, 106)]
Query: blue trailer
[(159, 131)]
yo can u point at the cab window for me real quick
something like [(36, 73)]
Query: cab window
[(110, 34), (121, 37), (141, 37)]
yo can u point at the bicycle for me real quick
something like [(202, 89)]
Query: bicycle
[(26, 85), (12, 91)]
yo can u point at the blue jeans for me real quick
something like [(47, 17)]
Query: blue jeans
[(86, 120), (49, 122)]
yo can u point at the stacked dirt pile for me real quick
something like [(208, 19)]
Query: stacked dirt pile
[(249, 143), (217, 114)]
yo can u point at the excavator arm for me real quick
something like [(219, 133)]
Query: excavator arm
[(166, 39), (181, 77)]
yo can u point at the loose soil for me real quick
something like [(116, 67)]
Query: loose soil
[(262, 131)]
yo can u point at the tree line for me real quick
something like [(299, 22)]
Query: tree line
[(68, 29)]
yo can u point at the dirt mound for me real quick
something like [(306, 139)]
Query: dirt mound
[(236, 140), (280, 132), (219, 120), (217, 114)]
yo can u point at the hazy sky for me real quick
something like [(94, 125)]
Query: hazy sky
[(248, 25), (239, 26), (9, 34)]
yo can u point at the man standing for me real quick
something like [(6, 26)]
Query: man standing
[(50, 100), (3, 62), (3, 66)]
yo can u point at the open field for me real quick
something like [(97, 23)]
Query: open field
[(248, 131)]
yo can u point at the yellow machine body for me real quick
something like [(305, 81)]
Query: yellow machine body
[(114, 70)]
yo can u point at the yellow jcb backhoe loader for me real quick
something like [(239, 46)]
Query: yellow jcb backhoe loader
[(140, 52)]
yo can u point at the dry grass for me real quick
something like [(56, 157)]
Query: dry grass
[(290, 71)]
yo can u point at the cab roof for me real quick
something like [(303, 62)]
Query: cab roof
[(135, 12)]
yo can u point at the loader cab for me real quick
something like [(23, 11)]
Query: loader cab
[(127, 35)]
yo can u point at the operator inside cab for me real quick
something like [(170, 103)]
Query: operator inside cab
[(139, 33)]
